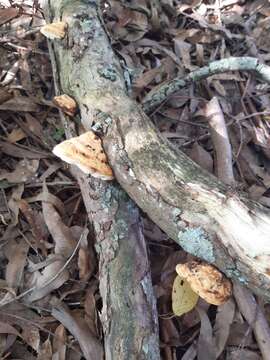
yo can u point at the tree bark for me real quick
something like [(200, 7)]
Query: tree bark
[(195, 209), (129, 315)]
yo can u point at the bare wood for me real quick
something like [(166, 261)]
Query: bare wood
[(192, 207)]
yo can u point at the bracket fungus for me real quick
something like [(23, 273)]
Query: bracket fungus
[(205, 280), (66, 104), (87, 153), (55, 30)]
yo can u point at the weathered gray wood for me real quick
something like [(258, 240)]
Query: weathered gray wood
[(191, 206), (129, 315)]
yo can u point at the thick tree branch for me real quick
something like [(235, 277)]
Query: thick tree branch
[(129, 315), (192, 207)]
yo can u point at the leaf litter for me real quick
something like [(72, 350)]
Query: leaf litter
[(45, 250)]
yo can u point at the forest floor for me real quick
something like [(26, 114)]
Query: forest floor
[(41, 206)]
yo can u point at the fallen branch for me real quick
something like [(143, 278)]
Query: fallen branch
[(195, 209), (153, 99), (129, 315)]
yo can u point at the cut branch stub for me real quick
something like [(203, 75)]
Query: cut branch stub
[(86, 152)]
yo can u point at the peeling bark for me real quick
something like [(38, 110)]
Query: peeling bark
[(196, 210)]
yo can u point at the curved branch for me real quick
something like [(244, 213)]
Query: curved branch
[(153, 99), (191, 206)]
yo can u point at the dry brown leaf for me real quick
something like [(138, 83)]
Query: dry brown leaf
[(5, 95), (31, 336), (182, 50), (13, 202), (16, 253), (59, 343), (20, 103), (86, 152), (91, 314), (51, 278), (16, 134), (34, 125), (8, 14), (45, 351), (90, 346), (155, 45), (35, 222), (61, 234), (21, 152), (6, 328), (206, 281), (25, 171), (201, 157), (131, 26), (206, 346), (236, 354), (222, 327)]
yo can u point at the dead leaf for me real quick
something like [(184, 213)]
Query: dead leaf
[(206, 346), (51, 278), (31, 336), (16, 134), (20, 152), (5, 328), (222, 327), (45, 351), (61, 234), (184, 299), (20, 103), (25, 171), (91, 312), (59, 343), (16, 253), (90, 346), (201, 157), (182, 50), (8, 14), (131, 25), (34, 125), (13, 202), (35, 222)]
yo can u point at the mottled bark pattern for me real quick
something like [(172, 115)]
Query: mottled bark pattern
[(129, 311), (129, 315)]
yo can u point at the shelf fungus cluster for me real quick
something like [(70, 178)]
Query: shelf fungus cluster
[(86, 152), (205, 280)]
